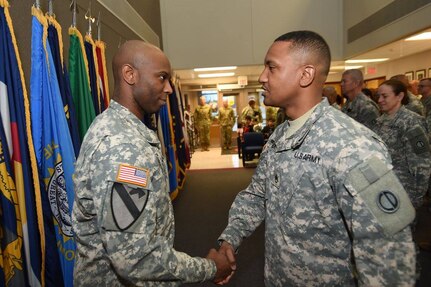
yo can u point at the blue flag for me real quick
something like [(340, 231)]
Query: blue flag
[(169, 149), (17, 145), (53, 147), (90, 51), (56, 42)]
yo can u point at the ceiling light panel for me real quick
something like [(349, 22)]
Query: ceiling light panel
[(215, 69), (216, 75)]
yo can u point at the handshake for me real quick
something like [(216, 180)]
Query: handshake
[(224, 259)]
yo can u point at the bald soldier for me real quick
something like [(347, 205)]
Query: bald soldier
[(122, 216)]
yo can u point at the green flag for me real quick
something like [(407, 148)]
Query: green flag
[(79, 82)]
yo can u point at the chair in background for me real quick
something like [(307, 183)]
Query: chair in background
[(252, 145)]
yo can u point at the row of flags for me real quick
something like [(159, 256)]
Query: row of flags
[(40, 137)]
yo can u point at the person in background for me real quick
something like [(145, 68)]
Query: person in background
[(122, 216), (248, 125), (226, 119), (405, 134), (330, 93), (271, 112), (358, 106), (413, 84), (203, 119), (268, 129), (424, 88), (251, 110), (324, 186), (414, 104)]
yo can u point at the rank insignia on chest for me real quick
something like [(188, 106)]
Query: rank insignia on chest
[(132, 175)]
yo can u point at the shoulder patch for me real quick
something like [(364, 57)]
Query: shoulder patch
[(133, 175), (383, 195), (418, 140)]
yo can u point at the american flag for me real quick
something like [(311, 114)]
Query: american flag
[(133, 175)]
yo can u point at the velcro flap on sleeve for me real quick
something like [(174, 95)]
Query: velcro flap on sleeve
[(383, 194), (418, 140)]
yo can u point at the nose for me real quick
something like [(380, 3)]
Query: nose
[(168, 88), (263, 78)]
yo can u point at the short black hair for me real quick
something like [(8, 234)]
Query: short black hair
[(311, 42)]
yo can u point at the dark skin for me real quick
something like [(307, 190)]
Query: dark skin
[(141, 84)]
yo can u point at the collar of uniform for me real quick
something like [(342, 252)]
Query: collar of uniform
[(128, 116), (281, 142), (392, 120)]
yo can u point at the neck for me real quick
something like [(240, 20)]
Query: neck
[(296, 110)]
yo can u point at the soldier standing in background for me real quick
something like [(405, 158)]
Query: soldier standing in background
[(358, 106), (251, 110), (122, 216), (226, 119), (203, 120)]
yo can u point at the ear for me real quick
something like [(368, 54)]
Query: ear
[(307, 77), (129, 74)]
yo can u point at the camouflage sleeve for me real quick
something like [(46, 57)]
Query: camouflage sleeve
[(248, 209), (139, 244), (378, 212), (419, 163), (369, 115)]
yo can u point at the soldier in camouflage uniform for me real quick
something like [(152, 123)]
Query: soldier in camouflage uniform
[(424, 88), (252, 110), (358, 106), (414, 103), (335, 213), (122, 215), (226, 119), (203, 120), (405, 134)]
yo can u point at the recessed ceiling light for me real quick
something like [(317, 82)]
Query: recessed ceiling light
[(353, 67), (215, 75), (215, 69), (366, 60), (422, 36)]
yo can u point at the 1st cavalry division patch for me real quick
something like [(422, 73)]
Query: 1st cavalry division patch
[(128, 202)]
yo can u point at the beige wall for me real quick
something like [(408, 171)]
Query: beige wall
[(356, 11), (200, 33)]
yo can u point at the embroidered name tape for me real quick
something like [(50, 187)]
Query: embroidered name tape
[(133, 175)]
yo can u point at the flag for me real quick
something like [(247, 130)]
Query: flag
[(165, 134), (11, 235), (80, 82), (90, 51), (103, 73), (178, 137), (53, 147), (56, 44), (15, 117)]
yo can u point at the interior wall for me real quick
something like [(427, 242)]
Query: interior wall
[(382, 30), (200, 33), (113, 30)]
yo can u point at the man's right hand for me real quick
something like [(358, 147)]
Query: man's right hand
[(224, 269)]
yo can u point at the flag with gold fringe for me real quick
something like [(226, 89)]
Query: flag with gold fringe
[(80, 82), (90, 51), (56, 43), (18, 146), (54, 149), (102, 72)]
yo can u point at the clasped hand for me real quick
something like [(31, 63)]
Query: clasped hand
[(225, 262)]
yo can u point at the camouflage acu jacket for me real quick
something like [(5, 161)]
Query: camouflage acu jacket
[(406, 136), (362, 109), (122, 216), (322, 194)]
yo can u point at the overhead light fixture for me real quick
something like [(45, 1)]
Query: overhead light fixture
[(353, 67), (215, 69), (366, 60), (216, 75), (422, 36)]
